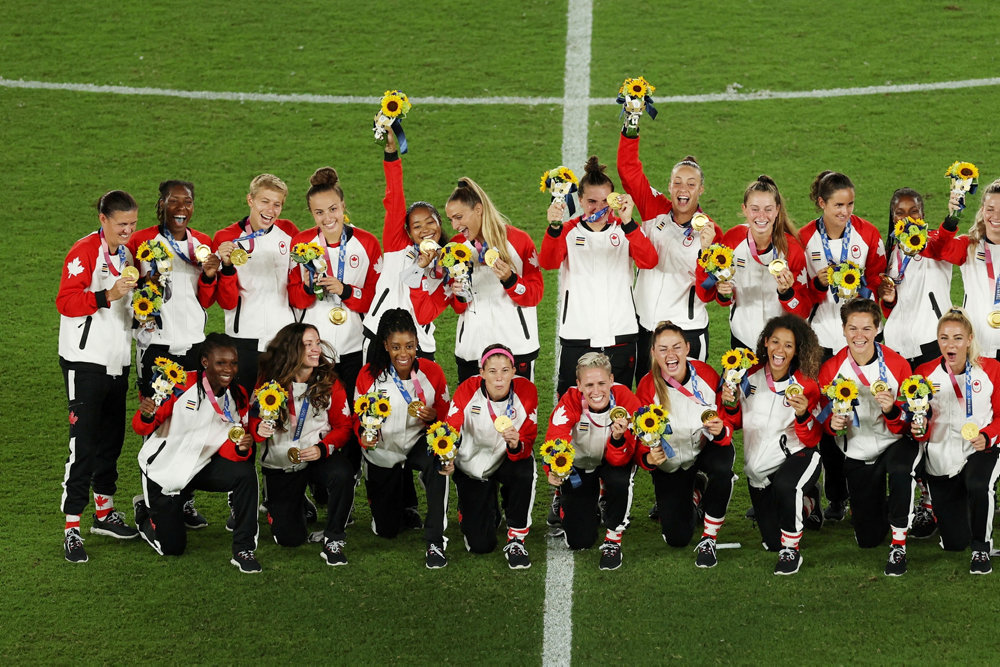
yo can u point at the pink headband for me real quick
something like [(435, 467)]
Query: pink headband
[(495, 351)]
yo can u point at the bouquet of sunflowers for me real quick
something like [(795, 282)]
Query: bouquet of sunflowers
[(167, 375), (917, 390), (717, 260), (158, 256), (843, 394), (558, 455), (964, 180), (845, 279), (735, 364), (392, 109), (372, 409), (651, 424), (635, 97), (147, 302), (910, 234), (271, 397), (456, 259), (312, 257), (561, 182), (442, 438)]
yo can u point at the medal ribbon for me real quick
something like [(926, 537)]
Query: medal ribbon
[(402, 390), (770, 380), (481, 248), (989, 272), (845, 241), (882, 371), (251, 235), (694, 394), (115, 271), (341, 256), (301, 421), (189, 258), (224, 410), (597, 215), (901, 263), (753, 249), (509, 410), (589, 416), (968, 385)]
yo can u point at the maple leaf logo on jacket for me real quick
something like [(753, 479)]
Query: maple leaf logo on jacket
[(559, 416)]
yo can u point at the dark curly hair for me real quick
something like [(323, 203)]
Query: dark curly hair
[(808, 353), (394, 320)]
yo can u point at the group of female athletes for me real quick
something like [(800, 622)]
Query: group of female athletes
[(364, 322)]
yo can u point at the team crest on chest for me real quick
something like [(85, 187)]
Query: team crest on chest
[(977, 386), (355, 261), (282, 247), (615, 239), (855, 251), (688, 240)]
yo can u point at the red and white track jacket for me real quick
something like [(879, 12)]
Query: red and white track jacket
[(875, 431), (689, 435), (590, 432), (184, 434), (771, 431), (400, 433), (596, 272), (183, 314), (330, 428), (865, 248), (668, 291), (255, 295), (499, 312), (363, 261), (93, 330), (946, 449), (756, 299), (921, 299), (482, 449)]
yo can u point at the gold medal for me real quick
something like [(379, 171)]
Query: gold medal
[(970, 431), (338, 315), (202, 253), (878, 386), (776, 266), (428, 245), (700, 221), (130, 273), (708, 415), (239, 257), (994, 319), (614, 201), (236, 433), (618, 412), (502, 423), (414, 408), (491, 256), (793, 390), (293, 455)]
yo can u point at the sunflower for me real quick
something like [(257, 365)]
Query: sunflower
[(637, 87), (175, 374), (850, 278), (361, 405), (722, 259), (162, 362), (749, 359), (731, 360), (437, 428), (144, 253), (547, 448), (269, 399), (845, 390), (910, 388), (567, 175), (395, 103), (648, 423), (461, 253), (962, 170), (562, 464), (382, 407), (543, 185), (914, 243), (658, 411), (900, 227), (442, 445), (142, 306)]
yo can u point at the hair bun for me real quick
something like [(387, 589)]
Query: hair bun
[(324, 176), (690, 158), (764, 178), (594, 166)]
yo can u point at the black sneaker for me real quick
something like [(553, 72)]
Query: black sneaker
[(789, 561), (835, 511), (246, 561), (192, 517), (814, 520), (924, 524), (554, 517), (895, 566), (706, 553), (517, 555), (980, 563), (333, 553), (312, 514), (142, 522), (435, 557), (611, 555), (411, 519), (654, 512), (113, 525), (73, 546)]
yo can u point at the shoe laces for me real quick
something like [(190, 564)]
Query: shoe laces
[(980, 556), (246, 554), (706, 544), (897, 553), (189, 508), (436, 550), (115, 517), (515, 548), (335, 546), (610, 547), (787, 553), (73, 539)]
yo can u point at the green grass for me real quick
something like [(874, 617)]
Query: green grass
[(62, 150)]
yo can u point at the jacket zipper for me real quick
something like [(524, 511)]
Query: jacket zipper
[(86, 331)]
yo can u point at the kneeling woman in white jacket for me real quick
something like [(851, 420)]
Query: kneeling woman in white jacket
[(197, 441)]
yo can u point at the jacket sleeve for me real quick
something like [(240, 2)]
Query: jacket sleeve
[(798, 300), (619, 453), (463, 394), (876, 261), (944, 245), (228, 449), (427, 305), (640, 248), (300, 294), (359, 297), (440, 384), (565, 416), (75, 298), (554, 246), (526, 290), (992, 430), (528, 395), (339, 414), (143, 427), (807, 429), (900, 369), (394, 236), (636, 184)]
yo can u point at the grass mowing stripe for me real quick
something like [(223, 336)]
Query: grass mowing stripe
[(557, 641), (509, 100)]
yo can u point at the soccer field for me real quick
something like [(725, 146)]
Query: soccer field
[(889, 93)]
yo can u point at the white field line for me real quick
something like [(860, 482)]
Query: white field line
[(557, 642), (504, 100)]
